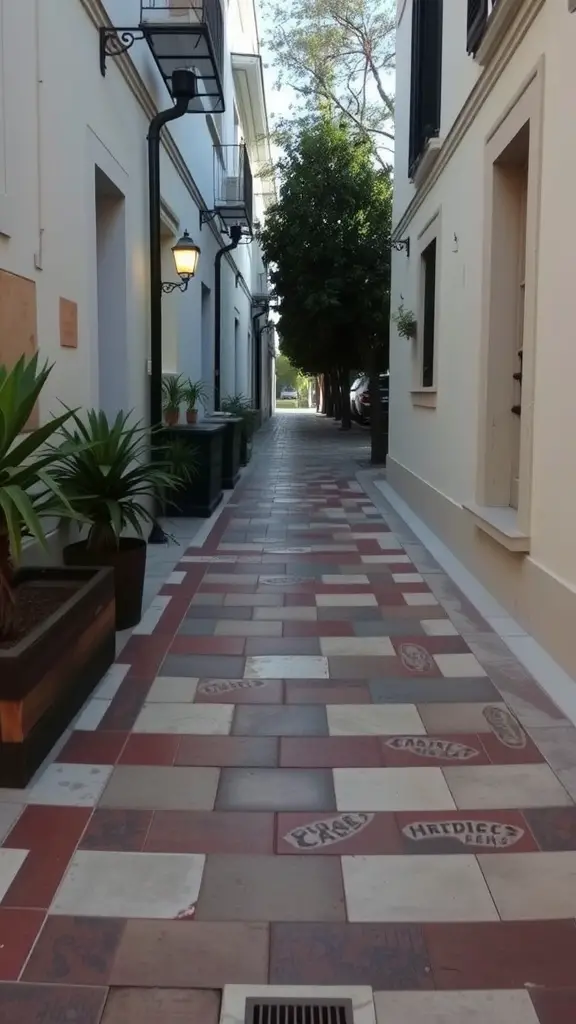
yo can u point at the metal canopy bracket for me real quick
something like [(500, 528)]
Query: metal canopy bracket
[(402, 243), (115, 41)]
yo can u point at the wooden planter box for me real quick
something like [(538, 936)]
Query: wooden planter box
[(231, 450), (46, 677), (204, 493)]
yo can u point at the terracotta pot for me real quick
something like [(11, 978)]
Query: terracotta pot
[(171, 417), (129, 563), (191, 416)]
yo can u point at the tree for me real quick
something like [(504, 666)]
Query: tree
[(336, 56), (327, 240)]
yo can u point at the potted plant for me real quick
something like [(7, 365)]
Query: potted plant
[(193, 392), (112, 482), (239, 405), (172, 397), (406, 323), (56, 625)]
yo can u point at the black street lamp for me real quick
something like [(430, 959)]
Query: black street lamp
[(186, 256)]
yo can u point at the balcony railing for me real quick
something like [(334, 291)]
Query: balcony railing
[(233, 188), (479, 12), (188, 34)]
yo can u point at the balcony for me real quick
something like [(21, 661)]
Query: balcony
[(488, 22), (188, 34), (261, 294), (233, 190)]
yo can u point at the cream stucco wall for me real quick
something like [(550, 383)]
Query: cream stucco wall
[(434, 451)]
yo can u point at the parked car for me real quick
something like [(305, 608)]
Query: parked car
[(288, 393), (360, 397)]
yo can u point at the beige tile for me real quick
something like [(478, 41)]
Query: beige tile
[(172, 690), (532, 886), (447, 718), (514, 1007), (229, 627), (147, 787), (456, 666), (417, 600), (510, 785), (186, 719), (346, 601), (392, 789), (365, 646), (438, 627), (373, 720), (291, 614), (288, 666)]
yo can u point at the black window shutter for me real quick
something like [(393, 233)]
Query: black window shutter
[(477, 18), (426, 84)]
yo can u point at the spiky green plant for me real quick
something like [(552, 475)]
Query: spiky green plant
[(29, 489), (193, 392), (239, 405), (172, 392)]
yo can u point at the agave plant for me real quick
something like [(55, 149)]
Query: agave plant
[(29, 489), (239, 405), (193, 392), (113, 479), (172, 396)]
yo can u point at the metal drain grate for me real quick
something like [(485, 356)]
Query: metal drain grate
[(298, 1011)]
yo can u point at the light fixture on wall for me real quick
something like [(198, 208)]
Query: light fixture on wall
[(186, 255), (401, 243)]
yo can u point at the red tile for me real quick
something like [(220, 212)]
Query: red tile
[(92, 748), (39, 877), (502, 954), (474, 832), (173, 615), (150, 749), (326, 628), (499, 753), (145, 654), (49, 828), (226, 588), (329, 752), (125, 706), (339, 833), (363, 667), (299, 600), (314, 692), (342, 588), (51, 1004), (555, 1007), (18, 932), (422, 751), (208, 645), (75, 951), (211, 832), (118, 830), (432, 644), (228, 751)]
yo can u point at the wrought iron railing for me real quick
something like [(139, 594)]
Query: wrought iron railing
[(233, 186), (178, 13)]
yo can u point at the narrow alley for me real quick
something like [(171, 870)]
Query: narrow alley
[(312, 774)]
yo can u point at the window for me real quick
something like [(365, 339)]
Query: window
[(478, 13), (426, 83), (429, 314)]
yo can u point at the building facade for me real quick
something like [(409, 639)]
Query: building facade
[(74, 202), (482, 411)]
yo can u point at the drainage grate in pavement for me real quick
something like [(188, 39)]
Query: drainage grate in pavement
[(298, 1011)]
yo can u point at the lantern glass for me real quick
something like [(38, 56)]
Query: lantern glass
[(186, 257)]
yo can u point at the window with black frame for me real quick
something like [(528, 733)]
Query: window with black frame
[(429, 324), (426, 83)]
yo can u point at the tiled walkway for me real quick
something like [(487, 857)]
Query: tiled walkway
[(309, 772)]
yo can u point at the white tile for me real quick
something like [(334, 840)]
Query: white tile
[(144, 885), (234, 999), (286, 667), (9, 814), (346, 600), (505, 626), (172, 690), (454, 666), (10, 863), (186, 719), (177, 577), (407, 577), (365, 646), (111, 682), (282, 614), (417, 600), (508, 785), (92, 714), (392, 789), (384, 559), (389, 542), (70, 785), (532, 886), (438, 627), (339, 579), (374, 720), (498, 1007)]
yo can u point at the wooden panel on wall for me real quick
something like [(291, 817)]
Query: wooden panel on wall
[(18, 324), (68, 324)]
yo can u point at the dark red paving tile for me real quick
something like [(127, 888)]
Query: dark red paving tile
[(173, 614), (239, 691), (145, 654), (48, 829), (150, 749), (119, 830), (211, 832), (555, 1007), (330, 752), (330, 628), (431, 644), (437, 750), (75, 951), (299, 600), (343, 834), (126, 705), (50, 1004), (500, 753), (18, 932), (387, 957), (361, 667), (317, 692), (207, 645), (260, 646), (554, 827), (162, 1006), (502, 954), (92, 748), (36, 883), (465, 832), (228, 751), (227, 588)]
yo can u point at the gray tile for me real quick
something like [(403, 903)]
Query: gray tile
[(304, 720), (276, 789), (350, 614), (145, 787), (433, 691), (557, 745), (257, 888), (388, 627), (209, 612), (197, 627), (203, 666), (208, 599)]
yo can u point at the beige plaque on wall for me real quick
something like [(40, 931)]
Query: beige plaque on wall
[(18, 330), (68, 324)]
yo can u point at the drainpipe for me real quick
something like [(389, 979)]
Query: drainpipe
[(257, 341), (235, 235)]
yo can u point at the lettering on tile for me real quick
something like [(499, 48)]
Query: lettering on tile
[(469, 833), (229, 685), (505, 727), (328, 831), (416, 658), (281, 581), (428, 746)]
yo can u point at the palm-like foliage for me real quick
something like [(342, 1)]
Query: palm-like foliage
[(194, 391), (240, 405), (29, 490), (115, 478), (172, 392)]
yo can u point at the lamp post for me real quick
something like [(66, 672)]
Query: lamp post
[(186, 256)]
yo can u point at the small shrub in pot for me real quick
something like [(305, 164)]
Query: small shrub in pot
[(172, 397), (194, 392)]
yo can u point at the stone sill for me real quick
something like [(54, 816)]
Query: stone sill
[(498, 23), (425, 397), (501, 523), (427, 161)]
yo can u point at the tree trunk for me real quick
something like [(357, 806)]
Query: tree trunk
[(328, 396), (320, 393), (336, 395), (344, 387), (378, 418)]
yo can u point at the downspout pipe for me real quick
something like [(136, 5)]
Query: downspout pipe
[(235, 235), (257, 340)]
